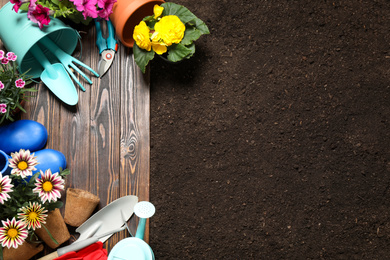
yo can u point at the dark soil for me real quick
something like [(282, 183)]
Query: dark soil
[(272, 142)]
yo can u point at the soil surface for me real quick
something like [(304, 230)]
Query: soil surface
[(272, 142)]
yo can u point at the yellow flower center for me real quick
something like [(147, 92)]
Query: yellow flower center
[(1, 188), (47, 186), (32, 215), (22, 165), (12, 233)]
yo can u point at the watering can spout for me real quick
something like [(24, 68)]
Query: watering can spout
[(141, 228), (143, 210)]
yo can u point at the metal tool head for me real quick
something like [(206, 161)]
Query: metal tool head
[(108, 218), (105, 61)]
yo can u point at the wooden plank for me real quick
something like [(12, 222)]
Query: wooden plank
[(135, 143), (105, 138)]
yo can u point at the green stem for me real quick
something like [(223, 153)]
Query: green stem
[(52, 238)]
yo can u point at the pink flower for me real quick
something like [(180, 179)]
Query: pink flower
[(1, 85), (38, 14), (11, 56), (5, 188), (1, 54), (106, 6), (4, 61), (20, 83), (13, 233), (88, 7), (49, 186), (3, 109), (17, 4)]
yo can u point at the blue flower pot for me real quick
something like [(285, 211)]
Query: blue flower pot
[(22, 134)]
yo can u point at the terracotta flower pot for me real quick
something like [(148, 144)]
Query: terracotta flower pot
[(79, 206), (129, 13), (24, 251), (57, 228)]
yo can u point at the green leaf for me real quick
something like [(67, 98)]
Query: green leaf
[(185, 16), (142, 57), (190, 34), (24, 7), (178, 52), (56, 2), (54, 205)]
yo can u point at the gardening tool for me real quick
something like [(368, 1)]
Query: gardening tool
[(107, 47), (135, 248), (101, 226), (67, 60), (55, 78)]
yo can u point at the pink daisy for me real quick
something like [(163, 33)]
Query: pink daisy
[(33, 215), (22, 163), (20, 83), (1, 85), (5, 188), (49, 186), (1, 54), (13, 233)]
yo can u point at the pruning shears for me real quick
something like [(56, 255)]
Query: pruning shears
[(107, 47)]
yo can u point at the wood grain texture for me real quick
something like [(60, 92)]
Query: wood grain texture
[(105, 137)]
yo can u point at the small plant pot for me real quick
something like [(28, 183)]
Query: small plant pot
[(79, 206), (126, 14), (57, 228), (24, 251), (19, 34)]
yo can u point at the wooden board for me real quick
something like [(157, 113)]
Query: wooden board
[(105, 138)]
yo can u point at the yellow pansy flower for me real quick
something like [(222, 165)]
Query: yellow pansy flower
[(157, 10), (170, 30), (141, 36)]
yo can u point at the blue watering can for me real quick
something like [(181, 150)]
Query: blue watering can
[(135, 248)]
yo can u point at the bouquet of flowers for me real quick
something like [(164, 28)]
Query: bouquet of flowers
[(171, 31), (12, 86), (39, 11), (26, 198)]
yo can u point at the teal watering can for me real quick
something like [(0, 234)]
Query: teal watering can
[(135, 248)]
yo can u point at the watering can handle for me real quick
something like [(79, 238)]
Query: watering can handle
[(141, 228)]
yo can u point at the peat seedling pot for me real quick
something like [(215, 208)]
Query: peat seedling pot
[(79, 206), (57, 228), (126, 14), (24, 251)]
